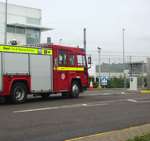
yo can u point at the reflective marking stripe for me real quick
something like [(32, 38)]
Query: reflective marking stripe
[(18, 49), (70, 68), (27, 50), (46, 51), (145, 91), (49, 52)]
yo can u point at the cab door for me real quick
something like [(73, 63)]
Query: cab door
[(60, 73), (81, 62)]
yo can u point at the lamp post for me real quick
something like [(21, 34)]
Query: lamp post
[(99, 67), (6, 12), (84, 39), (123, 47)]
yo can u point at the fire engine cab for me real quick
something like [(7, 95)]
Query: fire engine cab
[(42, 70)]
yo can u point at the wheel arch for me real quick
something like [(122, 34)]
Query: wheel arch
[(25, 82)]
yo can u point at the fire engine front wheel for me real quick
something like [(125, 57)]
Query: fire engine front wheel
[(75, 90), (19, 93)]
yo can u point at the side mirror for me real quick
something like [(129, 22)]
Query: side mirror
[(89, 60)]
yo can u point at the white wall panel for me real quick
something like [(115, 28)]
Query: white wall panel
[(41, 73), (0, 73), (15, 63)]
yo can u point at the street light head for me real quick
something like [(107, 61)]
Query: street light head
[(98, 48)]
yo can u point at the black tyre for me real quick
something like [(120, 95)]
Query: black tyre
[(18, 93), (75, 90)]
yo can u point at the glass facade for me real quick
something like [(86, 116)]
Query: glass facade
[(32, 36), (15, 30)]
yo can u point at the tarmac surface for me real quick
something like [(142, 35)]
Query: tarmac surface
[(58, 119)]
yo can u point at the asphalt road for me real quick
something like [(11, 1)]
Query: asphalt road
[(57, 119)]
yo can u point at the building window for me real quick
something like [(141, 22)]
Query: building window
[(20, 30), (33, 36), (10, 29), (15, 30)]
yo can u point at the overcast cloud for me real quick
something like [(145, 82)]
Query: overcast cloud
[(104, 20)]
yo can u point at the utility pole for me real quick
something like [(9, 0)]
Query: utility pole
[(99, 65), (143, 71), (60, 40), (84, 39), (109, 66), (6, 13), (49, 40), (131, 66), (123, 46)]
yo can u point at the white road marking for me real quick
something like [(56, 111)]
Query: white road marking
[(123, 93), (106, 93), (94, 94), (62, 107), (92, 104), (99, 94), (146, 101), (84, 104), (132, 100)]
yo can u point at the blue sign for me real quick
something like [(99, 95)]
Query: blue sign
[(104, 80)]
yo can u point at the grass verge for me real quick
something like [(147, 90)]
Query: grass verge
[(141, 138)]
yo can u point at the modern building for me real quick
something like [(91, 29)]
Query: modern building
[(117, 70), (111, 70), (23, 25)]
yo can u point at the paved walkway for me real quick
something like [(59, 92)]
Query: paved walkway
[(118, 135)]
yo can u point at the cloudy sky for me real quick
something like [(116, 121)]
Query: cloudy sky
[(104, 20)]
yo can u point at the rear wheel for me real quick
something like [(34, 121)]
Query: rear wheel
[(75, 89), (18, 93)]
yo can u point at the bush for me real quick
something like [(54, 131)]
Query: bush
[(117, 83), (95, 85), (112, 83)]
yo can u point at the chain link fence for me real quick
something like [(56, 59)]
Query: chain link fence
[(112, 66)]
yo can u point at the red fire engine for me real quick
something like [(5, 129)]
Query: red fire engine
[(42, 70)]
